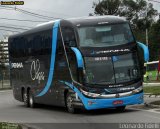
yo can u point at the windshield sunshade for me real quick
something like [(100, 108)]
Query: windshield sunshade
[(106, 35)]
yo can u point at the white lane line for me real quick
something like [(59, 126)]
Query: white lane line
[(152, 116), (149, 110), (154, 111)]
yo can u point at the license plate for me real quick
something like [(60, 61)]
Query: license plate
[(118, 102)]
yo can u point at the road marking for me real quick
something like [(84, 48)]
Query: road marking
[(149, 110), (154, 111), (152, 116)]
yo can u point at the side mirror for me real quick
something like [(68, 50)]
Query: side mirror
[(145, 51), (78, 57)]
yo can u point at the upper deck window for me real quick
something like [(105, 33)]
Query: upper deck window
[(105, 35)]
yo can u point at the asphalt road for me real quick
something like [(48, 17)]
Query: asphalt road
[(42, 117)]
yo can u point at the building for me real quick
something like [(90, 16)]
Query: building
[(4, 57)]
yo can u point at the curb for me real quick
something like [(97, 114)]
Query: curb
[(151, 105), (24, 126), (2, 91), (151, 84), (151, 96)]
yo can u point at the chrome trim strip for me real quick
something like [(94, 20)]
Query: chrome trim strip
[(118, 95)]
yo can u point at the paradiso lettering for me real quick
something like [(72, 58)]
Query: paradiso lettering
[(113, 51), (35, 72)]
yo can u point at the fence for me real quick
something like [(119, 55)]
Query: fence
[(4, 79)]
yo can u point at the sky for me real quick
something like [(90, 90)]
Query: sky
[(51, 8)]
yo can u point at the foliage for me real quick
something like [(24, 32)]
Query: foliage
[(107, 7), (141, 16), (152, 90), (154, 41), (133, 10), (4, 125), (139, 13)]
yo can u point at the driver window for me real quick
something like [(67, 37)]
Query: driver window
[(69, 37)]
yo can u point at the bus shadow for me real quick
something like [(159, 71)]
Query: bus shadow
[(46, 107), (82, 111), (106, 111)]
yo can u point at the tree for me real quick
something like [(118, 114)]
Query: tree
[(133, 10), (138, 13), (141, 16), (154, 40), (106, 7)]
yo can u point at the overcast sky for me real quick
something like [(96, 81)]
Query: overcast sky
[(52, 8)]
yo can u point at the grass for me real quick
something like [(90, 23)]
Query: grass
[(4, 125), (155, 90), (152, 76)]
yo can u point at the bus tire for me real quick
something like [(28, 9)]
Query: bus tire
[(121, 108), (69, 103), (31, 100), (26, 98)]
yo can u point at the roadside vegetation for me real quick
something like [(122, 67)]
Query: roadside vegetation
[(155, 90), (4, 125), (135, 12)]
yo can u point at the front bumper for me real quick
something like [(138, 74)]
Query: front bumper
[(94, 103), (91, 104)]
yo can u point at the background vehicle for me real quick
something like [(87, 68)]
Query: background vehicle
[(151, 71), (92, 62)]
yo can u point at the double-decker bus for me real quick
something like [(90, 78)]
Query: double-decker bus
[(91, 63)]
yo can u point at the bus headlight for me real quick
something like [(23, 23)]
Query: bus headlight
[(90, 94)]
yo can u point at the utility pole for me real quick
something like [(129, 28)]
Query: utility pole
[(146, 24), (158, 2)]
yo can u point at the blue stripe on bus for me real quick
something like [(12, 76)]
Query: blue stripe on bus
[(145, 50), (105, 103), (78, 56), (53, 55)]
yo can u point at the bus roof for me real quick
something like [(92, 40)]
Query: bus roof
[(97, 20), (90, 20)]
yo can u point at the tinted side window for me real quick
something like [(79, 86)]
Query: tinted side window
[(69, 37), (70, 41), (39, 43)]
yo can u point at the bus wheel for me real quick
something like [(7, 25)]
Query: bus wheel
[(31, 99), (25, 98), (121, 108), (69, 103)]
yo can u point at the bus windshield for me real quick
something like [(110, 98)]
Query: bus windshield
[(105, 35), (112, 70)]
